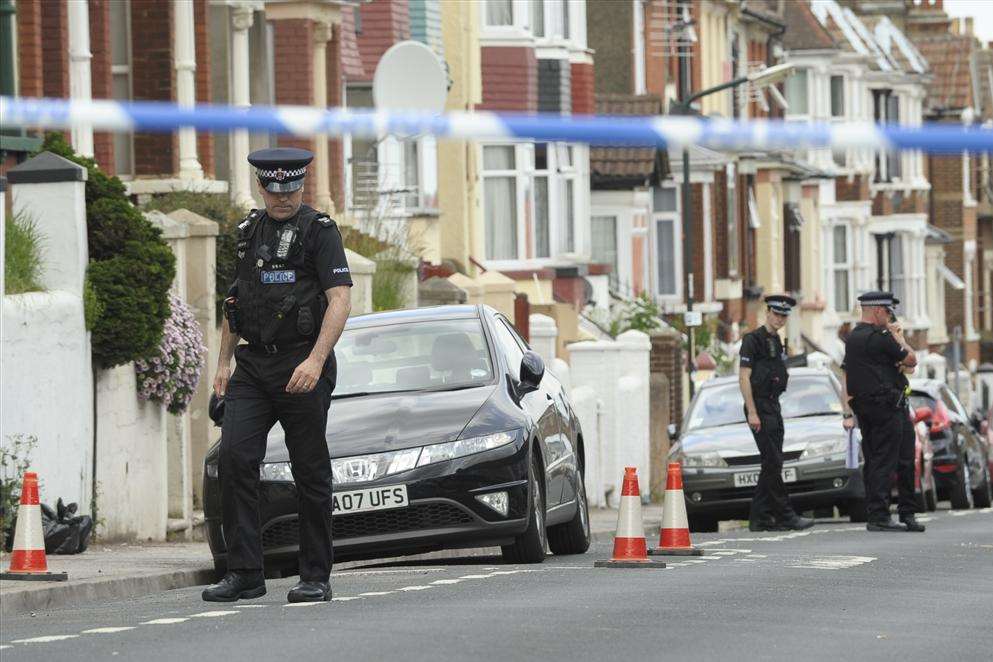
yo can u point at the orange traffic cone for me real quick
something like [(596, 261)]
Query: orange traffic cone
[(629, 541), (27, 560), (674, 540)]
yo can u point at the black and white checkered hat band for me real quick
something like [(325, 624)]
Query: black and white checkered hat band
[(889, 303), (280, 174), (780, 308)]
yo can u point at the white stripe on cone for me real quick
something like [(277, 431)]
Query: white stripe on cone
[(629, 523), (674, 511), (28, 534)]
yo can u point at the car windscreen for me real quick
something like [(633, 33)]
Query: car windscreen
[(724, 405), (412, 356)]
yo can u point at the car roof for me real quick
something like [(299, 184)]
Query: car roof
[(413, 315), (794, 372), (930, 386)]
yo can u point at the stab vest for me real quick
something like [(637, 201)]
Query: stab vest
[(280, 301), (769, 376), (871, 378)]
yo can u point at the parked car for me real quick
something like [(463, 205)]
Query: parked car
[(961, 455), (721, 463), (445, 431), (986, 429)]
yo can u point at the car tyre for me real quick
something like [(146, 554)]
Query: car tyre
[(573, 537), (961, 491), (702, 524), (856, 511), (982, 496), (529, 547)]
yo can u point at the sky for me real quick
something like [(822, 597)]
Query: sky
[(980, 10)]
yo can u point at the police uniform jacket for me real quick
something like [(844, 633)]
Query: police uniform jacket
[(872, 375), (763, 352)]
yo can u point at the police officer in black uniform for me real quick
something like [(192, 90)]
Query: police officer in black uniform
[(875, 355), (289, 302), (763, 379)]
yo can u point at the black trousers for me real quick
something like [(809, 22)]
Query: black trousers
[(888, 449), (771, 501), (256, 398)]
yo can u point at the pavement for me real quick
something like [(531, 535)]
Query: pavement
[(130, 570), (832, 592)]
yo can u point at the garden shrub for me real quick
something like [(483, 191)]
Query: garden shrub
[(22, 256), (131, 268)]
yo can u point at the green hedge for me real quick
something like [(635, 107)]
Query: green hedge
[(131, 267)]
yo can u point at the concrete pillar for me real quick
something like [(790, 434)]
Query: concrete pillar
[(242, 17), (322, 171), (51, 192), (185, 63), (544, 335), (79, 70), (362, 270), (201, 263)]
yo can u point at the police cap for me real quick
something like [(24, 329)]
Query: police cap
[(780, 303), (885, 299), (281, 169)]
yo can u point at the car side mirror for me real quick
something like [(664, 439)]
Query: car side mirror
[(922, 414), (671, 429), (532, 371)]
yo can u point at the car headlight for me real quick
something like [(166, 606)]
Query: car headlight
[(363, 468), (702, 460), (462, 447), (276, 471), (822, 448)]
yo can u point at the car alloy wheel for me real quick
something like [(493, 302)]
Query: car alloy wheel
[(961, 496), (573, 537), (982, 497), (532, 545)]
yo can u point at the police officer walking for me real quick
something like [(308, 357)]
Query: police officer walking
[(763, 379), (875, 355), (290, 303)]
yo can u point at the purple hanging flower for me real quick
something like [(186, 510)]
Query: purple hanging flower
[(171, 376)]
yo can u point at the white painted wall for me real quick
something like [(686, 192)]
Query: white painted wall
[(543, 337), (615, 374), (58, 211), (47, 388), (132, 460)]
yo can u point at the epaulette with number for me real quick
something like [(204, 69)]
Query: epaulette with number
[(325, 220), (251, 218)]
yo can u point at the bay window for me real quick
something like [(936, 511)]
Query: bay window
[(668, 242), (120, 71), (841, 267), (499, 12), (500, 201), (796, 90), (604, 244)]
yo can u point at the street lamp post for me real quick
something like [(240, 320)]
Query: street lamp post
[(767, 76)]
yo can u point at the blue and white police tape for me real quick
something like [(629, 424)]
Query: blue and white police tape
[(671, 131)]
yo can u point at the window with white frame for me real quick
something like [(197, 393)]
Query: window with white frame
[(797, 93), (538, 18), (499, 12), (841, 266), (500, 202), (567, 174), (120, 71), (604, 244), (734, 240), (886, 110), (668, 242), (838, 114), (542, 202)]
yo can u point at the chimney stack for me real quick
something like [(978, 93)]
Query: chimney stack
[(956, 26), (968, 26)]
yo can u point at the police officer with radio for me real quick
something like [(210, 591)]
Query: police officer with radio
[(290, 303), (763, 378), (875, 355)]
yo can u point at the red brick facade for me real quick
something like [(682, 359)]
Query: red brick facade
[(851, 190), (294, 77), (30, 74), (153, 79), (384, 23), (510, 78), (583, 98), (201, 27), (100, 78), (55, 48)]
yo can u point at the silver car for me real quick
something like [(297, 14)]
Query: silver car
[(721, 462)]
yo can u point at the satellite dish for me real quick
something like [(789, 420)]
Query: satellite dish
[(410, 76)]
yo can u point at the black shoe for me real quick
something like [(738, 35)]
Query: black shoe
[(885, 525), (310, 592), (766, 525), (236, 586), (912, 524), (797, 523)]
